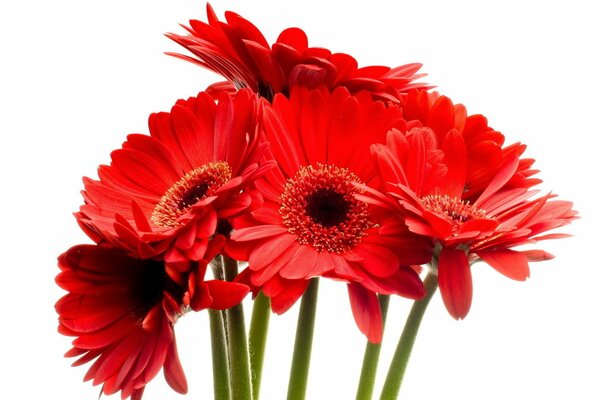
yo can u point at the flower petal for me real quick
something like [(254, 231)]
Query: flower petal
[(377, 260), (257, 232), (366, 311), (510, 263), (456, 285), (226, 294), (304, 264), (173, 371)]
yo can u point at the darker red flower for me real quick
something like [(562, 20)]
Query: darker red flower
[(238, 51), (122, 311), (450, 178), (170, 192), (311, 222)]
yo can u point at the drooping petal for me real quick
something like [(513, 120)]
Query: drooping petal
[(173, 371), (456, 286), (287, 296), (366, 311)]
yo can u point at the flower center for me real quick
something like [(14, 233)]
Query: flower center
[(319, 206), (327, 207), (150, 285), (452, 208), (196, 185)]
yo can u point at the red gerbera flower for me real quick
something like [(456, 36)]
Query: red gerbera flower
[(168, 192), (237, 50), (453, 182), (484, 152), (122, 311), (311, 223)]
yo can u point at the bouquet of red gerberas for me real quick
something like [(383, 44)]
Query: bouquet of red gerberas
[(300, 166)]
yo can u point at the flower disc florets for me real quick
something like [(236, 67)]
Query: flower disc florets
[(452, 209), (319, 206), (196, 185)]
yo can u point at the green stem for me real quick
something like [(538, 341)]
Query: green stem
[(303, 345), (259, 326), (219, 355), (239, 359), (371, 359), (391, 387)]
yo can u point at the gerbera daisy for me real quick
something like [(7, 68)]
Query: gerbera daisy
[(437, 177), (485, 150), (122, 311), (170, 192), (311, 223), (238, 51)]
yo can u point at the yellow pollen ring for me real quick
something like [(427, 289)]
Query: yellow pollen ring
[(196, 185)]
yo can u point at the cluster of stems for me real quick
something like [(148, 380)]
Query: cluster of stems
[(238, 359)]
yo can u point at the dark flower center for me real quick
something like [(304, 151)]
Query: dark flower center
[(320, 207), (150, 285), (327, 207), (194, 194), (196, 185), (452, 209)]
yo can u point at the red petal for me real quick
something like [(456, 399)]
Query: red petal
[(199, 293), (226, 294), (194, 137), (141, 222), (378, 260), (416, 159), (173, 371), (304, 264), (441, 117), (455, 158), (235, 206), (284, 299), (293, 37), (239, 250), (269, 272), (506, 172), (308, 75), (366, 311), (264, 253), (186, 237), (456, 285), (510, 263), (388, 164), (257, 232), (537, 255)]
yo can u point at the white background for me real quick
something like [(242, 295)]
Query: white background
[(76, 76)]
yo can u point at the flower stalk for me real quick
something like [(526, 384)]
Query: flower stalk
[(397, 368), (239, 359), (220, 361), (220, 354), (303, 344), (368, 372), (257, 339)]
